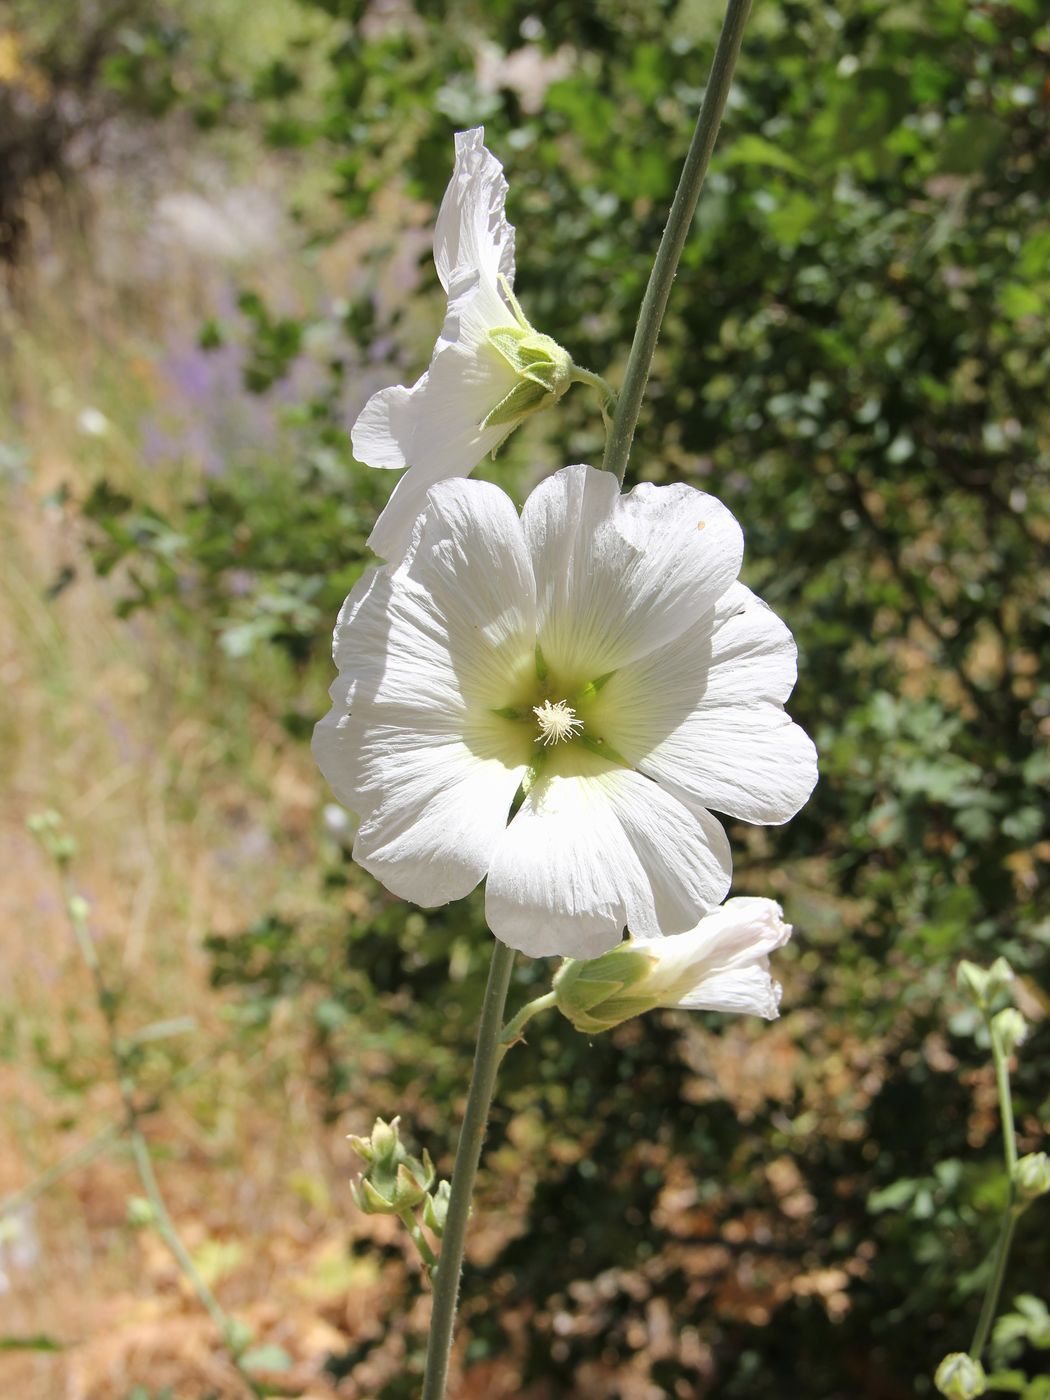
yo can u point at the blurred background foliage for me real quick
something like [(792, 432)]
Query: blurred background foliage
[(855, 360)]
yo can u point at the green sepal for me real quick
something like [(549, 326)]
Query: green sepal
[(592, 688), (524, 398), (542, 669), (599, 993)]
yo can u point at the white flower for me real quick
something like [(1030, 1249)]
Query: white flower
[(621, 616), (721, 965), (490, 369)]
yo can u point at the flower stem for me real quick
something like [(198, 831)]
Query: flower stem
[(514, 1027), (676, 231), (1009, 1221), (487, 1056), (411, 1224)]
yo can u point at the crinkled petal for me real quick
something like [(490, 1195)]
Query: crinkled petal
[(749, 990), (619, 576), (595, 847), (438, 422), (472, 228)]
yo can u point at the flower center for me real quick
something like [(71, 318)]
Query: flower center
[(556, 722)]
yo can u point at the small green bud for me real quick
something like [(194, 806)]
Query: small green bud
[(1010, 1028), (140, 1212), (960, 1377), (984, 986), (239, 1336), (435, 1210), (1031, 1177), (79, 909)]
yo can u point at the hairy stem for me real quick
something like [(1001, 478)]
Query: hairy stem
[(654, 303), (487, 1056)]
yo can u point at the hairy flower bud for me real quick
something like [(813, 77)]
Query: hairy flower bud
[(394, 1181), (960, 1377), (1010, 1028), (1031, 1177), (435, 1209)]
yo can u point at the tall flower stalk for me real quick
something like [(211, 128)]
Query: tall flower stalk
[(621, 433)]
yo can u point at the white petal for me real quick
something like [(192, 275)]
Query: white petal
[(438, 422), (744, 929), (383, 430), (472, 228), (619, 576), (738, 651), (442, 809), (431, 772), (750, 990), (748, 761), (470, 561), (595, 847)]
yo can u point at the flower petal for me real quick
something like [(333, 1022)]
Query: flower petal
[(435, 427), (748, 761), (619, 576), (750, 990), (472, 228), (407, 744), (703, 715), (595, 847)]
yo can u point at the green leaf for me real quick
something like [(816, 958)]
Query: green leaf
[(266, 1358)]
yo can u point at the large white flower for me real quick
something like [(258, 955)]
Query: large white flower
[(597, 654), (720, 965), (490, 369)]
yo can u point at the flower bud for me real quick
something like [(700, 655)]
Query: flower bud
[(984, 986), (720, 965), (1010, 1028), (960, 1377), (394, 1180), (435, 1209), (1031, 1177)]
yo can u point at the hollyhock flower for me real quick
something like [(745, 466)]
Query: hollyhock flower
[(720, 965), (557, 702), (490, 369)]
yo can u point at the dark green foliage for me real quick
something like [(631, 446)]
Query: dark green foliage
[(855, 360)]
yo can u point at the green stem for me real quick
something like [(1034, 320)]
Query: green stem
[(676, 231), (990, 1306), (411, 1224), (166, 1230), (487, 1056), (512, 1030)]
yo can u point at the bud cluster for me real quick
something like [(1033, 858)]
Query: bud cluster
[(394, 1182)]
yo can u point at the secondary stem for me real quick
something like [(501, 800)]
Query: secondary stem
[(654, 303), (990, 1306), (482, 1081)]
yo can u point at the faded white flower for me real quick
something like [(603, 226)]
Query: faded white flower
[(556, 702), (490, 369), (720, 965)]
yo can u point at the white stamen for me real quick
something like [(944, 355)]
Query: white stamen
[(557, 721)]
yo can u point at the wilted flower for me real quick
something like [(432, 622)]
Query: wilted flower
[(490, 369), (721, 965), (594, 661)]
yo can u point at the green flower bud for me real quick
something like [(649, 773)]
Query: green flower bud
[(984, 986), (394, 1181), (1010, 1028), (960, 1377), (1031, 1177), (435, 1209)]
